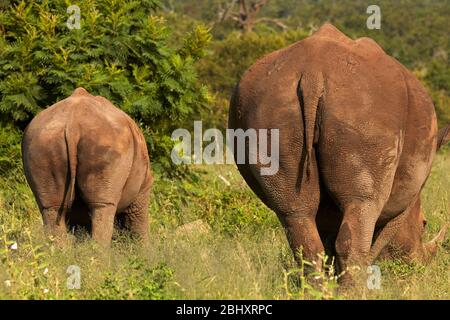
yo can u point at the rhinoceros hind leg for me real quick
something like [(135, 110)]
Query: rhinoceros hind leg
[(54, 223), (304, 239), (297, 209), (355, 236), (135, 217), (102, 217)]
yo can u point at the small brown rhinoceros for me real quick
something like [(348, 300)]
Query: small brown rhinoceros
[(87, 164), (357, 138)]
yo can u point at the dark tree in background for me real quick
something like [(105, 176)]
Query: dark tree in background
[(245, 14)]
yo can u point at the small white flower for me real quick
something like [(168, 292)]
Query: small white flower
[(45, 270), (13, 246), (317, 277), (8, 283), (46, 290)]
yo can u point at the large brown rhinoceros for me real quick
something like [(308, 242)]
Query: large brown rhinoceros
[(87, 164), (358, 135)]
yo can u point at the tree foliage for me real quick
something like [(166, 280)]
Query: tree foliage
[(122, 51), (415, 33), (231, 57)]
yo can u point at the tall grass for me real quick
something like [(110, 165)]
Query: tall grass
[(243, 254)]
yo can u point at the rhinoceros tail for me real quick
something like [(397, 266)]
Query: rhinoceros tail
[(71, 145), (310, 90)]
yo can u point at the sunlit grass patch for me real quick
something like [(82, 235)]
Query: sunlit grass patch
[(234, 248)]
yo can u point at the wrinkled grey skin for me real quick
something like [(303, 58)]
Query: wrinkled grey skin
[(358, 135), (87, 164)]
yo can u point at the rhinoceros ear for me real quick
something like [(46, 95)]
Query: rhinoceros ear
[(443, 136)]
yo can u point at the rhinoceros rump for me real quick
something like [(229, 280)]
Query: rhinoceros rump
[(87, 164), (358, 135)]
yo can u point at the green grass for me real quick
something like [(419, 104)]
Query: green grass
[(244, 255)]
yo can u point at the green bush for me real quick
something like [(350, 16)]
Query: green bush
[(207, 197), (10, 161), (122, 51), (231, 57), (437, 90), (14, 192)]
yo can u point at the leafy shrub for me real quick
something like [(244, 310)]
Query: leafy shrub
[(10, 162), (231, 57), (437, 90), (121, 52), (14, 192), (205, 196)]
